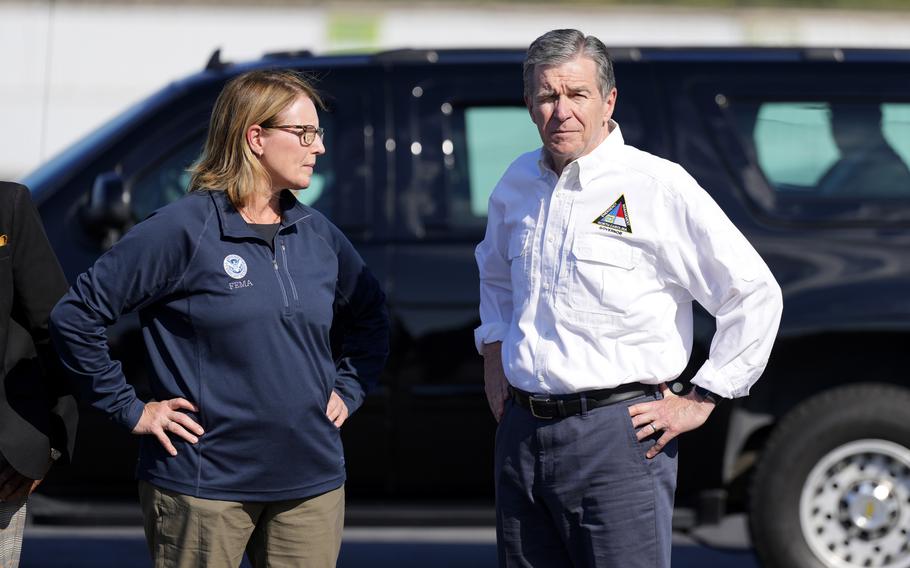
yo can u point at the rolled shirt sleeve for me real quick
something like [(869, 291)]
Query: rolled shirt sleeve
[(708, 257), (496, 305)]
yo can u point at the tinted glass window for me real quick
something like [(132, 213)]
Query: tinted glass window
[(830, 149), (168, 178), (896, 128), (492, 138), (457, 141), (495, 136)]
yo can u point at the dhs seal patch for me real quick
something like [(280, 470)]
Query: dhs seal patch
[(235, 266)]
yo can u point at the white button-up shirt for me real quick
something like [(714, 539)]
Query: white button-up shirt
[(588, 278)]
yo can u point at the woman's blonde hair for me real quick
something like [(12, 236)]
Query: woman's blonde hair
[(227, 163)]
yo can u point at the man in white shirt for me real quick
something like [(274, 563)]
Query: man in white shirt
[(593, 255)]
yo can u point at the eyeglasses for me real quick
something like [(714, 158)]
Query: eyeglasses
[(306, 132)]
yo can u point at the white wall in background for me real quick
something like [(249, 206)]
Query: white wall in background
[(66, 68)]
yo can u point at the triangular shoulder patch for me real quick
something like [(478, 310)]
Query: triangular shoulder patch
[(616, 217)]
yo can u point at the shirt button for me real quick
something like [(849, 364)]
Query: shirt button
[(546, 286), (549, 239)]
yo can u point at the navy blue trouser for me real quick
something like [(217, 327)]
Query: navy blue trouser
[(579, 491)]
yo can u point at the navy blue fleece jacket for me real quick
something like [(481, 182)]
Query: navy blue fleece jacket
[(243, 331)]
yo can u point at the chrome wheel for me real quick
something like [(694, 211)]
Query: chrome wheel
[(855, 506)]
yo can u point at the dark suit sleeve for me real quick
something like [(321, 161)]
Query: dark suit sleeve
[(38, 283)]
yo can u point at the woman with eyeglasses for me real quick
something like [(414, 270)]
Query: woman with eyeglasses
[(239, 288)]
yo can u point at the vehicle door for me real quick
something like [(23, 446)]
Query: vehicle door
[(809, 156), (811, 161), (819, 156)]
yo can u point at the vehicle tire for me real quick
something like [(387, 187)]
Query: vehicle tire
[(832, 487)]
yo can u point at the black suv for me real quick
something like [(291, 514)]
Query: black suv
[(806, 150)]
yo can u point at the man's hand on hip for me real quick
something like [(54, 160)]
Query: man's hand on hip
[(14, 486), (495, 383), (673, 415)]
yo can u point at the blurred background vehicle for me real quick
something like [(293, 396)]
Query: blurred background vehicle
[(806, 150)]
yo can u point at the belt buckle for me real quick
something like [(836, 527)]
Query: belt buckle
[(532, 398)]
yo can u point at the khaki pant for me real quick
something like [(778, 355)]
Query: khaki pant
[(185, 531)]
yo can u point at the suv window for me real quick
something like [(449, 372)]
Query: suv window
[(464, 150), (167, 178), (830, 149), (164, 181), (454, 141), (494, 137)]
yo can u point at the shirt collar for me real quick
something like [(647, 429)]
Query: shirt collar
[(233, 224), (588, 165)]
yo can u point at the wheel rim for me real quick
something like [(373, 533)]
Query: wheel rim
[(854, 509)]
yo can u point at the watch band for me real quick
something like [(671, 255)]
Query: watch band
[(706, 394)]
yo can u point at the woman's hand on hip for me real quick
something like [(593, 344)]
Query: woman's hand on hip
[(163, 418), (336, 410)]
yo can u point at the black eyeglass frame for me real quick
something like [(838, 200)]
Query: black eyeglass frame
[(306, 132)]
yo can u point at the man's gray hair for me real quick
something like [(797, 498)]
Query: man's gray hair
[(558, 46)]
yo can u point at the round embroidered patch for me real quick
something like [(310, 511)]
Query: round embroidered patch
[(235, 266)]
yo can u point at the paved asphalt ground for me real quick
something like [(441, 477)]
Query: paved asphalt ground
[(723, 546)]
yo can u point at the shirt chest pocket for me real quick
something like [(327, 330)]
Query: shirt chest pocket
[(519, 256), (604, 275), (519, 245)]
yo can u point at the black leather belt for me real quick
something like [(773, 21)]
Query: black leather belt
[(549, 406)]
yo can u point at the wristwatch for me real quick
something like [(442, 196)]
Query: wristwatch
[(706, 394)]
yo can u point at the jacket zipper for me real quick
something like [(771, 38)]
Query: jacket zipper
[(284, 292), (284, 258)]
